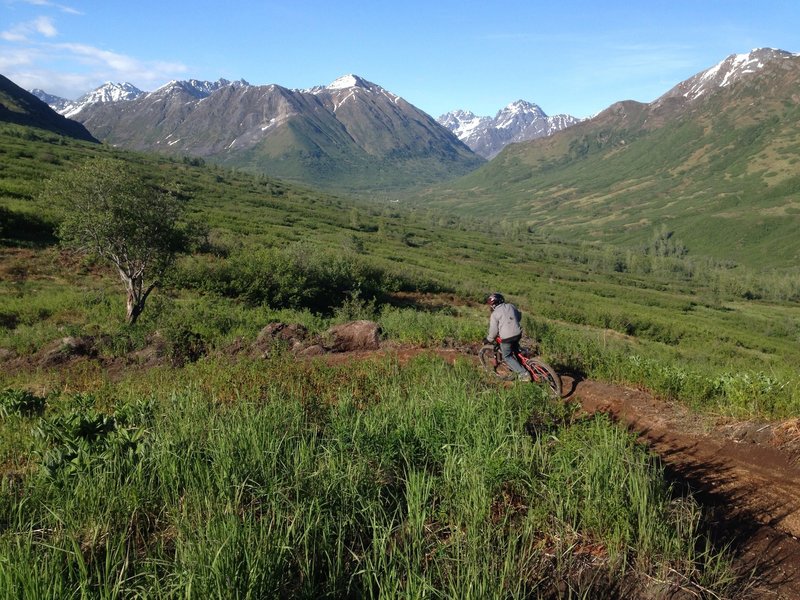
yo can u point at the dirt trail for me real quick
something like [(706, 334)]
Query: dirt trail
[(751, 489)]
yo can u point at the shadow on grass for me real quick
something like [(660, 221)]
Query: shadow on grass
[(25, 229)]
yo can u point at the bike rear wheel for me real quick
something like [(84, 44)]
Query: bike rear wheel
[(492, 362), (544, 373)]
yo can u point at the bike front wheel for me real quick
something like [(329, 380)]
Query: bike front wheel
[(492, 362), (544, 373)]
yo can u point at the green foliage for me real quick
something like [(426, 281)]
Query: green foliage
[(294, 277), (184, 342), (111, 212), (748, 393), (719, 176), (83, 440), (665, 244), (17, 227), (272, 251), (283, 478), (22, 402), (430, 328), (402, 478)]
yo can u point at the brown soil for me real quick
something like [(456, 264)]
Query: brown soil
[(746, 475)]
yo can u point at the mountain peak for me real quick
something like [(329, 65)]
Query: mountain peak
[(348, 81), (108, 92), (519, 121), (112, 92), (728, 71), (345, 82), (521, 104), (196, 88), (520, 108)]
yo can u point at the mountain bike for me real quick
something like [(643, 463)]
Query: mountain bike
[(492, 361)]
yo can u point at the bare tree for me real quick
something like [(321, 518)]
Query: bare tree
[(109, 210)]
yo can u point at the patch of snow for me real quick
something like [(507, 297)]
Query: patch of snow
[(350, 95), (343, 83)]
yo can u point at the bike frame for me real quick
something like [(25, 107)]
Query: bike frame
[(540, 371)]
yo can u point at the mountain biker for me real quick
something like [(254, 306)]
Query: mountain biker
[(504, 323)]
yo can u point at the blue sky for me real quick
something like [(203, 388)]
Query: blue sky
[(567, 56)]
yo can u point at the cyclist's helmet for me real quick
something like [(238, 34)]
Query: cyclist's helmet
[(495, 299)]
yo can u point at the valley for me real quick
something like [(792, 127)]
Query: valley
[(227, 440)]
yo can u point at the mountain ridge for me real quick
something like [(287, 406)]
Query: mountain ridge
[(351, 134), (486, 136), (519, 121), (20, 107)]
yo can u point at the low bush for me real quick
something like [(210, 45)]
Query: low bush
[(430, 328), (295, 277), (21, 402)]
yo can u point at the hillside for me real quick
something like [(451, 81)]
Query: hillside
[(713, 161), (350, 135), (264, 233), (23, 108)]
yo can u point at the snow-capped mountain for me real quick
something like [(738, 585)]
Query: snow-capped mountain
[(348, 133), (716, 153), (120, 92), (518, 122), (108, 92), (197, 88), (725, 73), (349, 87), (57, 103), (345, 82)]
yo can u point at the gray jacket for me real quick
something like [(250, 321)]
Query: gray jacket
[(504, 322)]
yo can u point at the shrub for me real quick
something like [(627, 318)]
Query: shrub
[(20, 402), (295, 277), (83, 438)]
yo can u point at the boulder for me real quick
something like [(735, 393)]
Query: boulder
[(313, 350), (65, 349), (154, 352), (353, 336), (293, 336)]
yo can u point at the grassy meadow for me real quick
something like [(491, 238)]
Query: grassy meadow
[(222, 476)]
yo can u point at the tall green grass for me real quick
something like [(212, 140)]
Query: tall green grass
[(374, 479), (731, 386)]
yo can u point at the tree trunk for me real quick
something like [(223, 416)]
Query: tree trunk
[(136, 298), (134, 308)]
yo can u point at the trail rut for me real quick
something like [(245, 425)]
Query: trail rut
[(751, 490)]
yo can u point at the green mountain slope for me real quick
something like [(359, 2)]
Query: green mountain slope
[(717, 166), (678, 326)]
